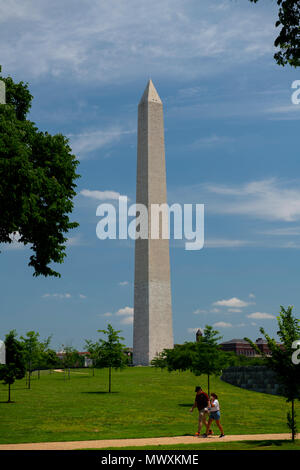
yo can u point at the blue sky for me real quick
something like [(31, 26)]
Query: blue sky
[(231, 133)]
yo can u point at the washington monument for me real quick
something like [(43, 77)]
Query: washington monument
[(152, 327), (2, 92)]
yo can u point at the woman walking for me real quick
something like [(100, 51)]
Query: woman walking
[(214, 414)]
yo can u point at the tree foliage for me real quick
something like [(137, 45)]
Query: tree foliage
[(49, 359), (288, 39), (37, 182), (71, 358), (280, 360), (201, 357), (93, 349), (31, 350), (14, 369), (35, 352), (110, 353)]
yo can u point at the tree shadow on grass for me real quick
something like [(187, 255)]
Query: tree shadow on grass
[(252, 445), (18, 388), (269, 443), (78, 374), (100, 393)]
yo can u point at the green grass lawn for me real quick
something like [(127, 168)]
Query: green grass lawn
[(145, 403), (244, 445)]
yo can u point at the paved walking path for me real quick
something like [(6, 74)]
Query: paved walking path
[(119, 443)]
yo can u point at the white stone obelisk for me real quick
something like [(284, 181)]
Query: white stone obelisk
[(2, 92), (2, 101), (152, 327), (2, 348)]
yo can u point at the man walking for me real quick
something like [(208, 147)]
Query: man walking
[(201, 402)]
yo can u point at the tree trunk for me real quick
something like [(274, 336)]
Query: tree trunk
[(8, 393)]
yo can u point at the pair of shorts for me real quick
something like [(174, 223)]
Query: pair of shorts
[(202, 415), (215, 415)]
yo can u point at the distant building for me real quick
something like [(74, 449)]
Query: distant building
[(129, 353), (87, 360), (242, 347), (199, 333)]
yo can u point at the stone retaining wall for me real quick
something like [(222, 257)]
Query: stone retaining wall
[(255, 378)]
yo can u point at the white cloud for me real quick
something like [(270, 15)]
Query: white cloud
[(125, 311), (15, 237), (100, 195), (203, 311), (127, 321), (14, 9), (198, 311), (268, 199), (57, 296), (74, 241), (233, 302), (222, 324), (14, 245), (93, 41), (282, 231), (284, 112), (234, 310), (17, 245), (190, 92), (62, 296), (291, 244), (225, 243), (123, 283), (212, 140), (88, 141), (261, 316), (126, 314)]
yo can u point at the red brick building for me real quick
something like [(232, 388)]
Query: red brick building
[(240, 346)]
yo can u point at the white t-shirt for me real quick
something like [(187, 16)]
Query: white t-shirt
[(214, 406)]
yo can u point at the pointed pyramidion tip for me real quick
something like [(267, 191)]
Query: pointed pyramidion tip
[(150, 94)]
